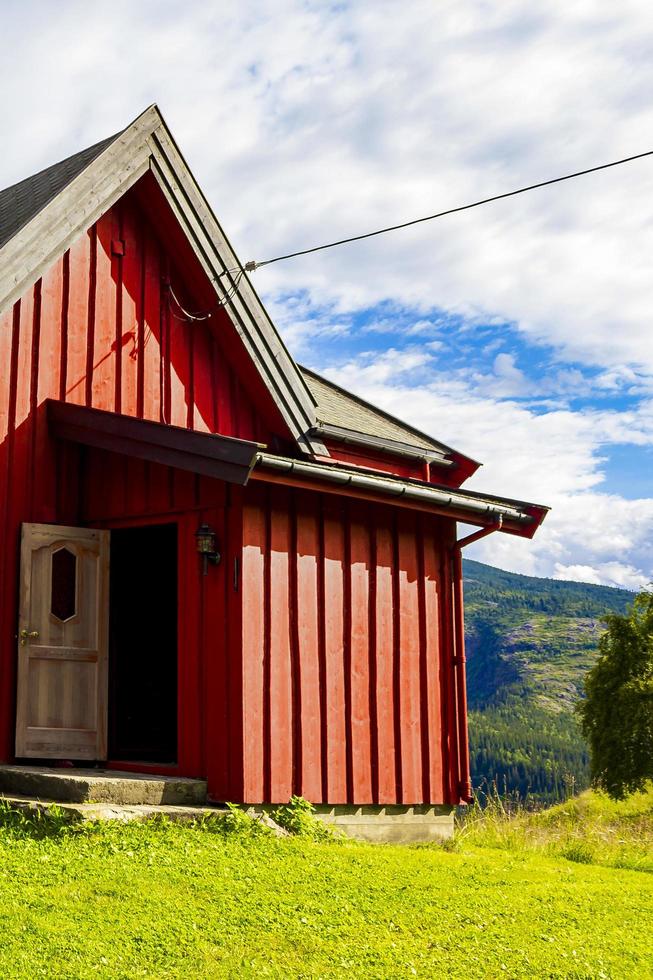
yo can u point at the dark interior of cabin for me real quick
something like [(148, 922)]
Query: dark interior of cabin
[(143, 644)]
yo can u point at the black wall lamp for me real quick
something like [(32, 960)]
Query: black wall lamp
[(207, 546)]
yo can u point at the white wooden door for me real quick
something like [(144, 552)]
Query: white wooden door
[(63, 643)]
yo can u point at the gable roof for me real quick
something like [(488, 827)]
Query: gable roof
[(22, 201), (69, 197)]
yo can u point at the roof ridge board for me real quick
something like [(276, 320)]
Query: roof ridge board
[(386, 415)]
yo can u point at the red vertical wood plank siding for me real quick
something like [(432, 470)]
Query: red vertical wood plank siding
[(359, 641), (309, 777), (113, 344), (130, 299), (433, 666), (385, 661), (103, 355), (9, 323), (253, 626), (48, 385), (359, 703), (409, 659), (203, 405), (464, 785), (334, 653), (27, 374), (79, 267), (278, 737), (215, 668), (448, 687), (149, 351)]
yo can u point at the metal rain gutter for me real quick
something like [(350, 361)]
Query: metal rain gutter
[(392, 488)]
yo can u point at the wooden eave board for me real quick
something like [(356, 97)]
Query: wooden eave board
[(148, 144)]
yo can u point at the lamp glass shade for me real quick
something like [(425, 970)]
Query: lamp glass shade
[(205, 539)]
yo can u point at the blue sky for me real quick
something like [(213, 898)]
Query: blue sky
[(520, 333)]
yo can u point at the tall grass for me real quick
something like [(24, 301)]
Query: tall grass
[(588, 829)]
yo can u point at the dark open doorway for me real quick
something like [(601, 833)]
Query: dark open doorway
[(143, 644)]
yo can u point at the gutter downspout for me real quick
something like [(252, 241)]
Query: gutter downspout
[(464, 784)]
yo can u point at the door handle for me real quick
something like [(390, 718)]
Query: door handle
[(26, 635)]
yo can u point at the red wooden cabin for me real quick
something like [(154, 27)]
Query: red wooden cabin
[(323, 655)]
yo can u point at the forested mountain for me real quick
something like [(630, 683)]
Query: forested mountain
[(529, 643)]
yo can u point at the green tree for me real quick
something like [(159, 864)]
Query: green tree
[(617, 713)]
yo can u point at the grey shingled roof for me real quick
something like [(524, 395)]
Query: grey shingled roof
[(22, 201), (338, 407)]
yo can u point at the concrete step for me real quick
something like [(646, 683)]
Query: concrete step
[(100, 786), (124, 812)]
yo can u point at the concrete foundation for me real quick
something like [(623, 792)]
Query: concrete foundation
[(390, 824)]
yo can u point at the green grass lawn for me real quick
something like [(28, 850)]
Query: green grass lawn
[(175, 901)]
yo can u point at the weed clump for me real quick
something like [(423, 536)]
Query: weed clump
[(298, 818)]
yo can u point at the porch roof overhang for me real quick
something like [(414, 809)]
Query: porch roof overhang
[(483, 510), (220, 457)]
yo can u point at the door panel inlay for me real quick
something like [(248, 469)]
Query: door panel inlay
[(63, 599)]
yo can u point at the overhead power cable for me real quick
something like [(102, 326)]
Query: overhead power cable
[(189, 317), (251, 266)]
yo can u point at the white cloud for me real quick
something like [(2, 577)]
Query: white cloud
[(308, 122), (553, 457), (615, 573), (506, 380)]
